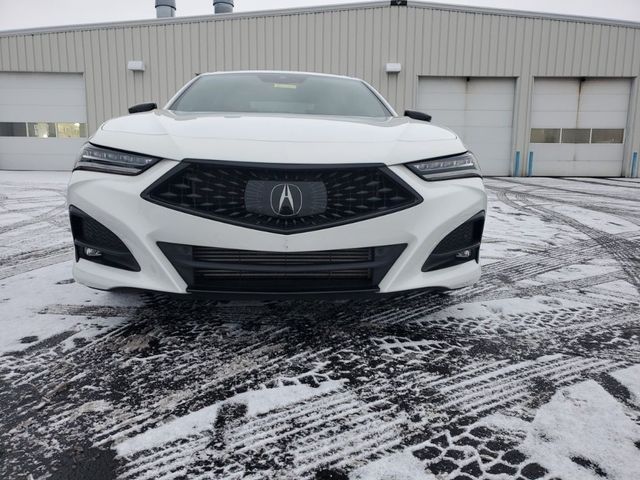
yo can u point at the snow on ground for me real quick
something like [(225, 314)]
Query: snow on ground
[(630, 379), (256, 402), (574, 272), (30, 307), (584, 432), (605, 222), (398, 466), (34, 232), (30, 178), (516, 233), (534, 372)]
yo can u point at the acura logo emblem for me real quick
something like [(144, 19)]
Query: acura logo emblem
[(280, 199), (286, 199)]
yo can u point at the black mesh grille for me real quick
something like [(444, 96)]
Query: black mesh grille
[(337, 194), (228, 270), (221, 255), (89, 233), (465, 235), (93, 233), (465, 238)]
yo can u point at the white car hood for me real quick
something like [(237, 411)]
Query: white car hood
[(277, 138)]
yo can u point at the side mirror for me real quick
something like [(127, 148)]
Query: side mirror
[(143, 107), (417, 115)]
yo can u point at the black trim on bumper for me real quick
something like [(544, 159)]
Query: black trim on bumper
[(209, 269), (89, 233), (283, 296), (467, 236)]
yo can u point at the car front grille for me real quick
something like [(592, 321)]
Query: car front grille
[(282, 198), (229, 270), (208, 254)]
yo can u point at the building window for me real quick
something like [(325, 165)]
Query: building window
[(545, 135), (71, 130), (13, 129), (41, 129), (607, 135), (576, 135)]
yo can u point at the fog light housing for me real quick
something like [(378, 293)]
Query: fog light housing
[(96, 243), (460, 246)]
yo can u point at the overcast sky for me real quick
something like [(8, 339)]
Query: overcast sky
[(15, 14)]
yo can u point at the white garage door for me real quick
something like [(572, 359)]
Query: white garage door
[(578, 127), (479, 110), (42, 120)]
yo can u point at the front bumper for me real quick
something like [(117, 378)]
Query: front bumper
[(115, 201)]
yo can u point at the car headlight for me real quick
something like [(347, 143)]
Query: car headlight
[(447, 168), (99, 159)]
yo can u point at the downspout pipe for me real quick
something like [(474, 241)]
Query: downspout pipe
[(223, 6), (165, 8)]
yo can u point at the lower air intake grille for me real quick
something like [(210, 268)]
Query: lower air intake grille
[(108, 249), (466, 235), (228, 270), (459, 246), (282, 198), (208, 254)]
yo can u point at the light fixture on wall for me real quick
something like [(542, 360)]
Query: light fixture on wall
[(135, 65), (393, 68)]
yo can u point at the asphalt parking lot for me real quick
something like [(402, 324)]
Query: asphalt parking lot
[(532, 373)]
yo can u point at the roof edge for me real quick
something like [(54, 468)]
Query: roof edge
[(454, 7), (197, 18), (320, 9)]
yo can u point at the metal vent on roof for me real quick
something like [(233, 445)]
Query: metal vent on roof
[(223, 6), (165, 8)]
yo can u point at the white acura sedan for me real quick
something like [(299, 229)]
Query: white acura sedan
[(275, 183)]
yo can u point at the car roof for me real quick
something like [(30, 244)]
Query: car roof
[(285, 72)]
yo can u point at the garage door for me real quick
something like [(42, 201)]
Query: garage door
[(42, 120), (578, 127), (479, 110)]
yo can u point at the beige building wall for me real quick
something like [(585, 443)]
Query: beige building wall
[(356, 40)]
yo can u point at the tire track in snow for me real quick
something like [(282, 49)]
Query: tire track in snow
[(422, 371), (626, 252)]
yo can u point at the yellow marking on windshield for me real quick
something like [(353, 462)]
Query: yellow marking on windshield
[(285, 85)]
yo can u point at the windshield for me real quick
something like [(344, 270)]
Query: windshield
[(280, 93)]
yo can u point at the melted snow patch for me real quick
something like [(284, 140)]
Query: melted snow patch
[(584, 421), (257, 402), (399, 466)]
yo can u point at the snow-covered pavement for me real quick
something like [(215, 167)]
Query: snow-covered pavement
[(532, 373)]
